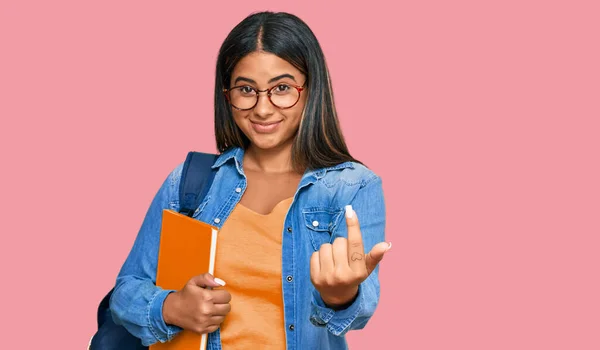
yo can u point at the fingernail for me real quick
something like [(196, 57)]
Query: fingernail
[(349, 212), (219, 281), (389, 246)]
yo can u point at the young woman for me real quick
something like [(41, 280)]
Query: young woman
[(291, 270)]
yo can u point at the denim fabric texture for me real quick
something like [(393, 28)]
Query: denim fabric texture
[(316, 216)]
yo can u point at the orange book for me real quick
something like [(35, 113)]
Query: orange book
[(187, 248)]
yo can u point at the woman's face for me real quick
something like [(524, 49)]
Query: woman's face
[(267, 126)]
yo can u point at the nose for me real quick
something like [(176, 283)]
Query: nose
[(264, 108)]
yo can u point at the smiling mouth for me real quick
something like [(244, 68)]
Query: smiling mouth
[(265, 128), (265, 124)]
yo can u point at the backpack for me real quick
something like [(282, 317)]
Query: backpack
[(196, 178)]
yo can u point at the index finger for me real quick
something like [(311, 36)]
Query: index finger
[(356, 250)]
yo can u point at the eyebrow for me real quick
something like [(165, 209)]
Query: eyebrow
[(279, 77)]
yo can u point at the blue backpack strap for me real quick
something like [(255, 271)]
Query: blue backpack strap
[(196, 177)]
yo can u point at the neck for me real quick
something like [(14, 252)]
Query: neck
[(275, 160)]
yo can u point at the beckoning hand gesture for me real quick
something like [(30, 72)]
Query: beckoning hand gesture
[(336, 270)]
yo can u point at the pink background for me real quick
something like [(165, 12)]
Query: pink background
[(481, 118)]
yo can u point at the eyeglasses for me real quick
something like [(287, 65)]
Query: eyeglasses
[(245, 97)]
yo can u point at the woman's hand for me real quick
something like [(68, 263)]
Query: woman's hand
[(337, 269), (196, 307)]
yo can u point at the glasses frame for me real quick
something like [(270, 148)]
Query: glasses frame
[(268, 91)]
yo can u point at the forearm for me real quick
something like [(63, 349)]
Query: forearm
[(137, 304)]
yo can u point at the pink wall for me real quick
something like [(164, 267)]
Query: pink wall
[(483, 121)]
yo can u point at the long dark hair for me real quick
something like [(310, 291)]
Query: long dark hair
[(319, 142)]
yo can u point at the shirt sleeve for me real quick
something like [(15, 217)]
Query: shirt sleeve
[(136, 302)]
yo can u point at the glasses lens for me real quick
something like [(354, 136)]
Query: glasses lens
[(243, 97), (284, 95)]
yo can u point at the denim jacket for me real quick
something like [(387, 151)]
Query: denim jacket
[(316, 216)]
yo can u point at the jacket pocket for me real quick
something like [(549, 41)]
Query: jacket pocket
[(321, 223)]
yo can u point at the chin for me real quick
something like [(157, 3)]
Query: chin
[(265, 145), (268, 142)]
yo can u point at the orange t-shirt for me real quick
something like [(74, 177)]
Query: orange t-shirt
[(249, 261)]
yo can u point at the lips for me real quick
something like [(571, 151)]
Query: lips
[(265, 127), (265, 124)]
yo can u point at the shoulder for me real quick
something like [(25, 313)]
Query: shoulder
[(169, 189), (350, 173), (174, 176)]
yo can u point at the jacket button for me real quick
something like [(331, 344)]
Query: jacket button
[(315, 223), (238, 190), (289, 229), (291, 327), (217, 220), (290, 278)]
